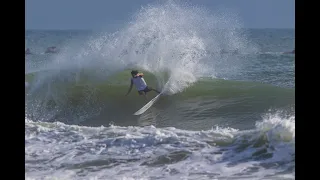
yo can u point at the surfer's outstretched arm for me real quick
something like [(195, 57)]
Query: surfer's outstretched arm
[(130, 88)]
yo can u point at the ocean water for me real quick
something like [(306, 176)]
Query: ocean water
[(228, 112)]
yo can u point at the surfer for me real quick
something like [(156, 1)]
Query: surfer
[(52, 49), (291, 52), (28, 51), (141, 85)]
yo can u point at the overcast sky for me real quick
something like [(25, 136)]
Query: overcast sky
[(97, 14)]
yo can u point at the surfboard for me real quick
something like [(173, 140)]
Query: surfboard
[(148, 105), (152, 101)]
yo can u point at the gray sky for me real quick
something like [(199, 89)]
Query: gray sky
[(98, 14)]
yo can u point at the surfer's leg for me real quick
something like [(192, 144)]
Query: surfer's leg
[(143, 93), (156, 91), (151, 89)]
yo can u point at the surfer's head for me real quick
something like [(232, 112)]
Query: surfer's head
[(134, 73)]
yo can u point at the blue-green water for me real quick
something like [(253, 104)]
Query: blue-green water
[(228, 113)]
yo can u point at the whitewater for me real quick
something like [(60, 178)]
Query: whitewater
[(228, 114)]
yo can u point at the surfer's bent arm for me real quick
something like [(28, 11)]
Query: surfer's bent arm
[(130, 88)]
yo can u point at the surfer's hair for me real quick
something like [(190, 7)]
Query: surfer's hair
[(134, 72)]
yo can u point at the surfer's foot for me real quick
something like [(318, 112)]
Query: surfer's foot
[(145, 97)]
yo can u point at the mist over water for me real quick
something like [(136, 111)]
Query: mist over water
[(183, 40), (79, 125)]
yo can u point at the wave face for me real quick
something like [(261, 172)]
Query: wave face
[(228, 110), (101, 103)]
